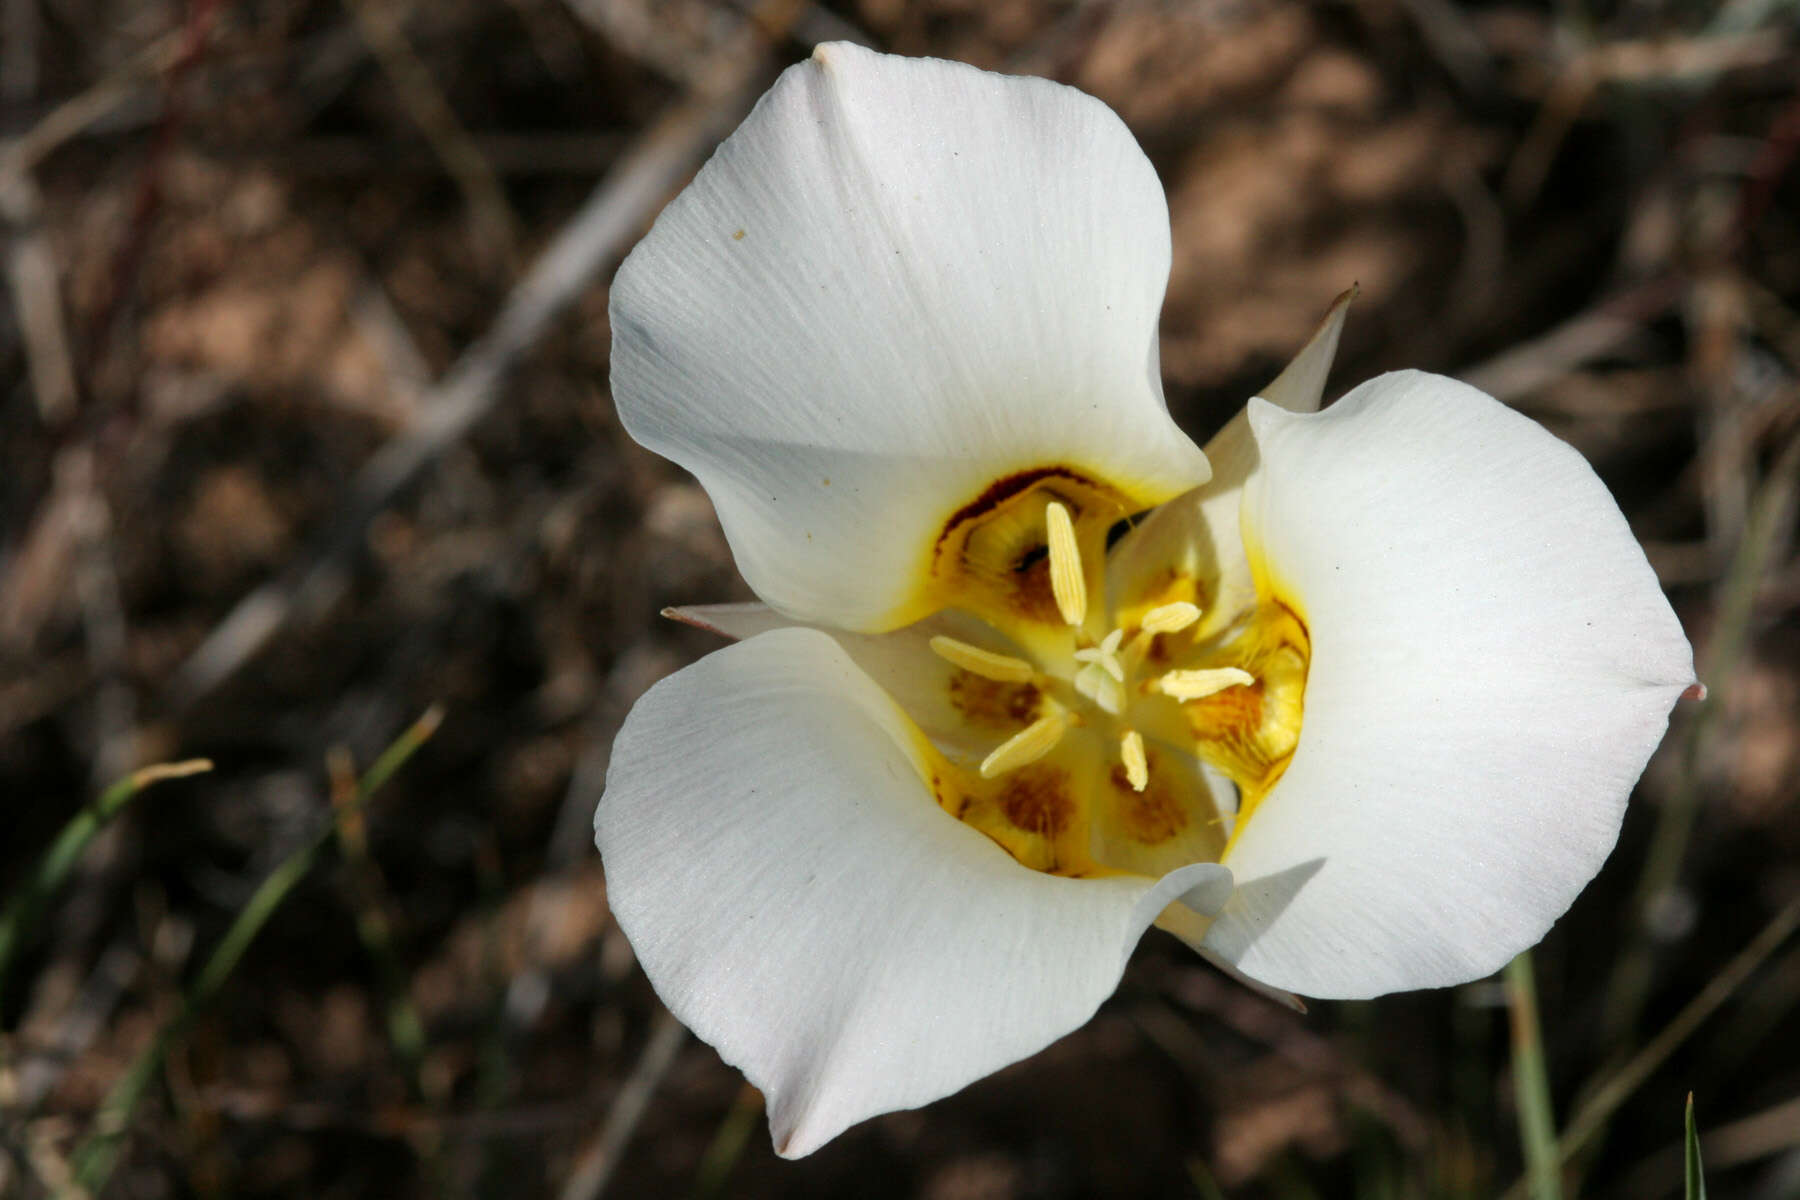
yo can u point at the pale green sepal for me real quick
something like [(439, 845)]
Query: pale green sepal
[(1301, 386)]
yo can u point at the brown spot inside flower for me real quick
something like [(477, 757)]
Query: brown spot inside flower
[(1152, 816), (1002, 490), (1037, 801), (1031, 595), (1234, 712), (994, 704)]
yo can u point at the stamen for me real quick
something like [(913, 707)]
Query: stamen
[(1026, 746), (1197, 685), (1001, 668), (1137, 766), (1067, 581), (1170, 618)]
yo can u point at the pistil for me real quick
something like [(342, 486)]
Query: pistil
[(1106, 655)]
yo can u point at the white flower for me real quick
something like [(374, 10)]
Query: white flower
[(1359, 714)]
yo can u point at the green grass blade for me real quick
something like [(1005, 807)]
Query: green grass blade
[(1531, 1082), (1591, 1116), (98, 1153), (29, 899), (721, 1157), (1696, 1178), (1628, 989)]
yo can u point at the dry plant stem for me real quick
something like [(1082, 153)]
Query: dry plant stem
[(547, 152), (596, 1166), (599, 233), (196, 29), (76, 1028), (1531, 1082), (1717, 317), (102, 616), (71, 118), (31, 275), (1693, 60), (1455, 43), (1629, 985), (54, 867), (97, 1154), (406, 1031), (1556, 116), (1543, 360), (1764, 1008), (1591, 1117), (493, 228)]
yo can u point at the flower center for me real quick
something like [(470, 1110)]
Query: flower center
[(1132, 745)]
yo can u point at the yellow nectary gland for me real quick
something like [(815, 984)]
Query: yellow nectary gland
[(1097, 736)]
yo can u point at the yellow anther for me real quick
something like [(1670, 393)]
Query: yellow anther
[(1137, 766), (1001, 668), (1026, 746), (1067, 582), (1197, 685), (1170, 618)]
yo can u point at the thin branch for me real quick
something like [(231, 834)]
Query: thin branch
[(1592, 1117), (589, 243), (1581, 339), (597, 1164), (492, 226), (76, 115), (32, 277)]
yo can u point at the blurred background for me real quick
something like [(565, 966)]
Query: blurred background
[(305, 433)]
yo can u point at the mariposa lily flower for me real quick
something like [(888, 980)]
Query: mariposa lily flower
[(1355, 707)]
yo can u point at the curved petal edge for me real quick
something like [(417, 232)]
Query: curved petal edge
[(1493, 662), (798, 899), (899, 281)]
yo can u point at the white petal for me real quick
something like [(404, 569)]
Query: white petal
[(800, 901), (1198, 532), (898, 282), (1492, 664), (901, 663)]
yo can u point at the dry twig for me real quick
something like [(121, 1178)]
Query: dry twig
[(492, 227), (32, 277), (601, 1158), (1535, 364), (587, 244)]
